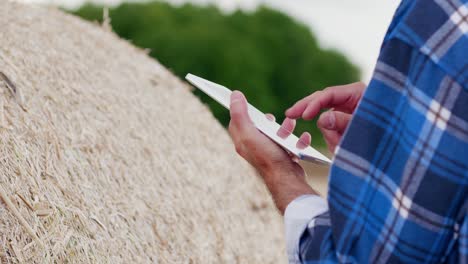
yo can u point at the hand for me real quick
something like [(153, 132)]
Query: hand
[(284, 177), (342, 100)]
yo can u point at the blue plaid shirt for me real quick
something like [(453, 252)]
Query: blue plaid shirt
[(399, 181)]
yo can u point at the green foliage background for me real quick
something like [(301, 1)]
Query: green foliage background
[(272, 58)]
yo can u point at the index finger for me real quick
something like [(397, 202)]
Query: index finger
[(342, 98)]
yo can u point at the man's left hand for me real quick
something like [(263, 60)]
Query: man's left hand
[(283, 176)]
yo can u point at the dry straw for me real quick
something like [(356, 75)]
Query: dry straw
[(106, 157)]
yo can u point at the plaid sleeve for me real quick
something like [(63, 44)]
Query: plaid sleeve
[(463, 243), (399, 182), (460, 255)]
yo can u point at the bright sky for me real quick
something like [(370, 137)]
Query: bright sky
[(355, 27)]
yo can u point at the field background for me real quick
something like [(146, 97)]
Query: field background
[(271, 57), (274, 59)]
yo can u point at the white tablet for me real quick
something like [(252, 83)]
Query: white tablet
[(270, 128)]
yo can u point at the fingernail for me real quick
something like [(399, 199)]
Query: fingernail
[(236, 95), (270, 117), (304, 141), (283, 133), (286, 128)]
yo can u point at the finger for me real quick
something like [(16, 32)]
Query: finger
[(304, 140), (286, 128), (332, 138), (343, 98), (334, 120), (298, 108), (238, 111), (327, 98), (270, 117)]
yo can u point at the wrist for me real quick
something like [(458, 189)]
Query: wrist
[(281, 169), (285, 184)]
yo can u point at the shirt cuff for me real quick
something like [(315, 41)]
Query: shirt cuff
[(297, 216)]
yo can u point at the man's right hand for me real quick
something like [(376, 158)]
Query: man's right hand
[(341, 100)]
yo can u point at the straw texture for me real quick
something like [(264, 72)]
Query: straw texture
[(106, 157)]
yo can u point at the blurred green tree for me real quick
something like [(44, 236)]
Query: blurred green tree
[(272, 58)]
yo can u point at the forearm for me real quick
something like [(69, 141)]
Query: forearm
[(286, 184)]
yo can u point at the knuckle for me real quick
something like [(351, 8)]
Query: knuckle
[(362, 86), (237, 123), (235, 114), (358, 85), (248, 141), (239, 149), (331, 89), (231, 128), (318, 93)]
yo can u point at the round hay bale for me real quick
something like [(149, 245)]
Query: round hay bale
[(105, 156)]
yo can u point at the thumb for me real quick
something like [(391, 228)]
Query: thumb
[(238, 110), (334, 120)]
